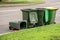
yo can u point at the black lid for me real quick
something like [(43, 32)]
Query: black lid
[(26, 9)]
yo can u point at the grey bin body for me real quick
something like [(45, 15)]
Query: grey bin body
[(34, 16), (25, 16), (18, 25), (31, 16), (41, 14)]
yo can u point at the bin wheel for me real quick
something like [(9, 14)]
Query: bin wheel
[(11, 28)]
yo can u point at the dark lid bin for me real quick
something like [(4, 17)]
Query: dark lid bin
[(40, 13), (30, 15)]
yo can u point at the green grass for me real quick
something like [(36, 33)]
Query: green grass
[(23, 2), (48, 32)]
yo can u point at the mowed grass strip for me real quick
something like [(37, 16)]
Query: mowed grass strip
[(23, 2), (38, 33)]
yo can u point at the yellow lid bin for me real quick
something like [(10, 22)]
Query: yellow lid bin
[(50, 14)]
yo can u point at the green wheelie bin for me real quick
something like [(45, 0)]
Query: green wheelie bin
[(40, 13), (50, 14)]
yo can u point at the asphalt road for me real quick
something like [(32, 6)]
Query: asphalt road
[(8, 14)]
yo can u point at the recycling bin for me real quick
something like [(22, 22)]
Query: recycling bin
[(34, 16), (25, 13), (18, 25), (31, 16), (50, 14), (41, 13)]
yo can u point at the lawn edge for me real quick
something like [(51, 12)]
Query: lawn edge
[(12, 5), (5, 33)]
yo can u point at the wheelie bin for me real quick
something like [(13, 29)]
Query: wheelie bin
[(25, 13), (50, 14), (31, 16), (34, 16), (18, 25), (41, 13)]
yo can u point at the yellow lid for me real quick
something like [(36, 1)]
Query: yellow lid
[(52, 8)]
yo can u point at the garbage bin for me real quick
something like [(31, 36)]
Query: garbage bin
[(41, 13), (50, 14), (25, 14), (13, 25), (18, 25), (31, 16)]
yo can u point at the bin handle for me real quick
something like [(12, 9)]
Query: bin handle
[(46, 16)]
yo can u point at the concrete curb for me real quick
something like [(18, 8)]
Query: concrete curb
[(4, 33), (12, 5)]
